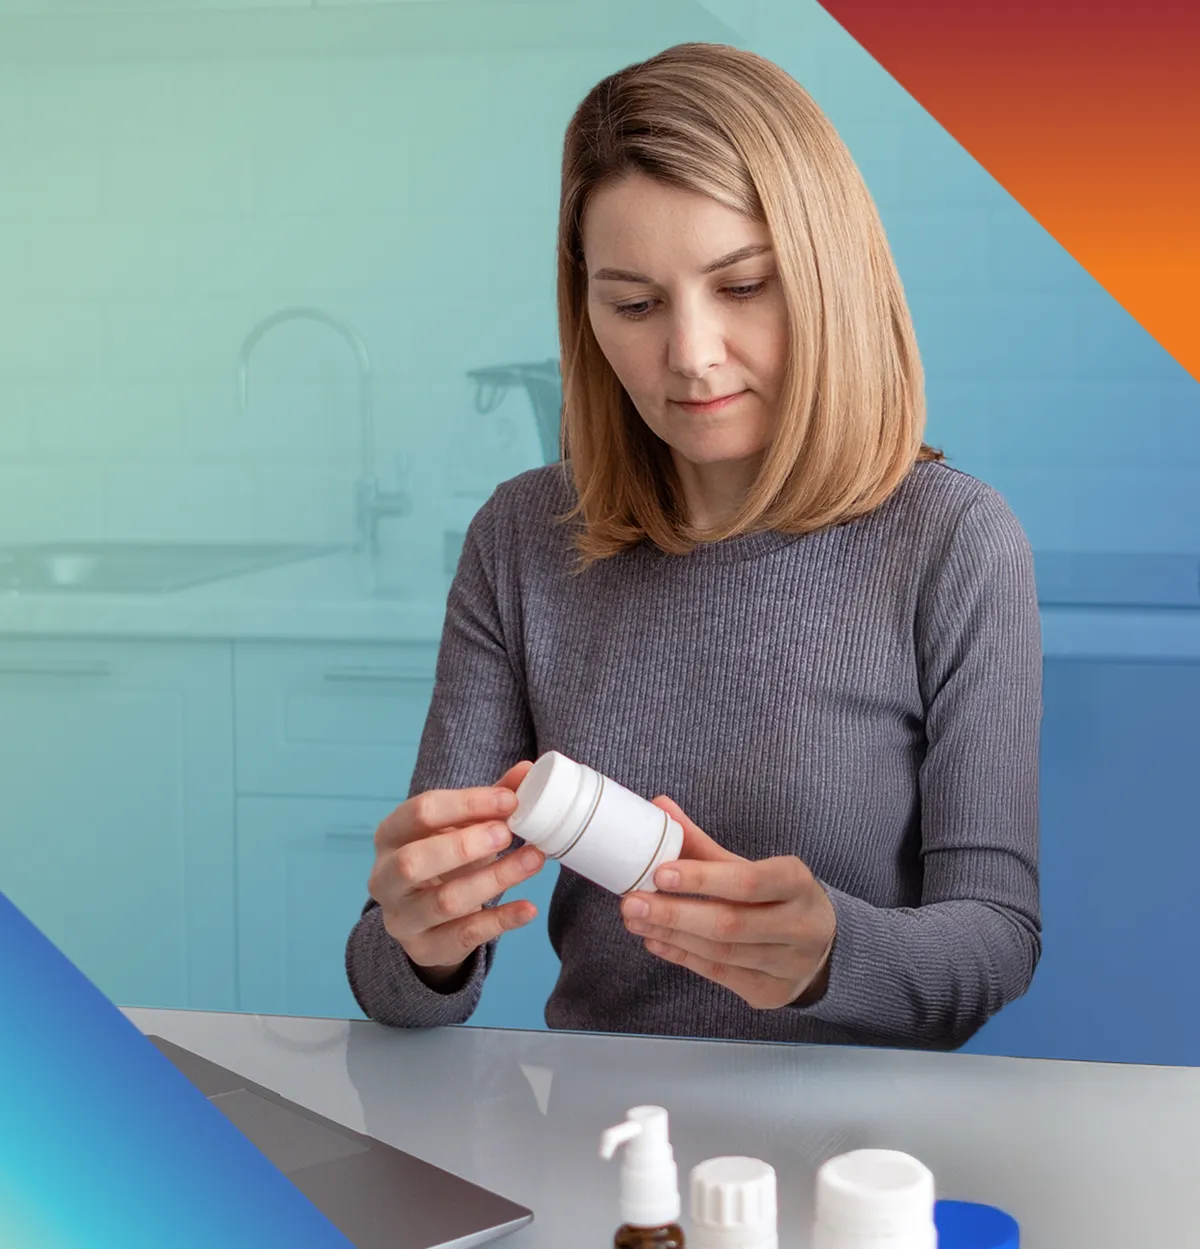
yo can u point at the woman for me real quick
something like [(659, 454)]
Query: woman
[(750, 586)]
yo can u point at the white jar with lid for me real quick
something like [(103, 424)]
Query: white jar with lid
[(594, 826), (733, 1204), (875, 1199)]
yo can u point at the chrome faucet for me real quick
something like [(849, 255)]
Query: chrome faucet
[(370, 503)]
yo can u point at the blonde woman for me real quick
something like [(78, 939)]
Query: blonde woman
[(749, 586)]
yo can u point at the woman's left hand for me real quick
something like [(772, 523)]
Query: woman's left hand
[(762, 929)]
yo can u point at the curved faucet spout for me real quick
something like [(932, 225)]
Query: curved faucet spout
[(362, 357), (370, 502)]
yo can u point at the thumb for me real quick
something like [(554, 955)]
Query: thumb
[(515, 775), (697, 844)]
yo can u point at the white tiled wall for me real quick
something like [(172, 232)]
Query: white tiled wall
[(152, 210), (150, 215)]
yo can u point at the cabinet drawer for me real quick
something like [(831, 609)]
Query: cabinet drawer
[(117, 838), (326, 720), (303, 865)]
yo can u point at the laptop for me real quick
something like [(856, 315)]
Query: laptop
[(377, 1196)]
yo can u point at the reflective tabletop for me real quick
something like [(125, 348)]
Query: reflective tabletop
[(1081, 1154)]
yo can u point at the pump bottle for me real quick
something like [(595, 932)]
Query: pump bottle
[(650, 1205)]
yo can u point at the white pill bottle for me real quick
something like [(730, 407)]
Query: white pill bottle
[(875, 1199), (594, 826)]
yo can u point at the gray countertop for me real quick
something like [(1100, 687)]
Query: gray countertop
[(1084, 1155)]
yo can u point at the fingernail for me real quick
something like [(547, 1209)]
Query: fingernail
[(668, 878), (636, 908), (530, 858), (499, 835)]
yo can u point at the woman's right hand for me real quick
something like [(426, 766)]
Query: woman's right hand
[(436, 864)]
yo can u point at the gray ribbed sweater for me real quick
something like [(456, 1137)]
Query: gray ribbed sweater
[(867, 698)]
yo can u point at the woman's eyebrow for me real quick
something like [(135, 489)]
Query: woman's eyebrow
[(627, 275)]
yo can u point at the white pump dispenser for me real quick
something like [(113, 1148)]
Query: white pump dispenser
[(649, 1177)]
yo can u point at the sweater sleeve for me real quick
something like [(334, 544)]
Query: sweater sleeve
[(477, 727), (930, 976)]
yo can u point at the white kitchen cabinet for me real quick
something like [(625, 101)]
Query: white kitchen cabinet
[(327, 739), (117, 832), (302, 875), (328, 719), (525, 968)]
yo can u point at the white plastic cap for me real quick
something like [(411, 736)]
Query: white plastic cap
[(544, 796), (733, 1205), (649, 1178), (875, 1197)]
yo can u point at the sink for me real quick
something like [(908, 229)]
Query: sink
[(138, 567)]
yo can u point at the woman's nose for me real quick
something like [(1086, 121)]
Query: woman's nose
[(697, 343)]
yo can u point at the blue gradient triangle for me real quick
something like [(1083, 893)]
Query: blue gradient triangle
[(103, 1144)]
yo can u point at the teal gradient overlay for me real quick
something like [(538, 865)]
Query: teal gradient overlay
[(104, 1144), (191, 775)]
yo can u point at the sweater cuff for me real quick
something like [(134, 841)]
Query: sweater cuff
[(870, 992), (386, 985), (907, 977), (847, 998)]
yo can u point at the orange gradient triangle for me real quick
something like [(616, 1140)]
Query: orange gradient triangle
[(1087, 114)]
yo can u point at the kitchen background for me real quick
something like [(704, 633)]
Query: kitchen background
[(253, 258)]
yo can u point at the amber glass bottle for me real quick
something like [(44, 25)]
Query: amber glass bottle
[(669, 1236)]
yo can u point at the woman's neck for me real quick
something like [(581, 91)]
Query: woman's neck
[(713, 493)]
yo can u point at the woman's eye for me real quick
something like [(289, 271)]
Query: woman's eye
[(740, 292), (745, 290)]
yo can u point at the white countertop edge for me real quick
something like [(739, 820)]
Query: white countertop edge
[(321, 599), (285, 622)]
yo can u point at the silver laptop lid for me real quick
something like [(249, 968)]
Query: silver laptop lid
[(378, 1196)]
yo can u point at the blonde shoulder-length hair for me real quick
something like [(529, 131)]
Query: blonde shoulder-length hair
[(732, 125)]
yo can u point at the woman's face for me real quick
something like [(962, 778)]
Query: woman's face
[(685, 303)]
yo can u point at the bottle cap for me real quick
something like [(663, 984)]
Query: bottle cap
[(875, 1197), (966, 1225), (649, 1177), (544, 797), (733, 1205)]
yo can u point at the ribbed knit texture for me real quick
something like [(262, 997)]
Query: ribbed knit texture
[(867, 698)]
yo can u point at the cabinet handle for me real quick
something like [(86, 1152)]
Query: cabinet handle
[(349, 832), (33, 669), (371, 674)]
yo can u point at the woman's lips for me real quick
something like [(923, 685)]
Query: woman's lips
[(713, 405)]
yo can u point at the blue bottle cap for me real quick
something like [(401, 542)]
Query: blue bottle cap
[(966, 1225)]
